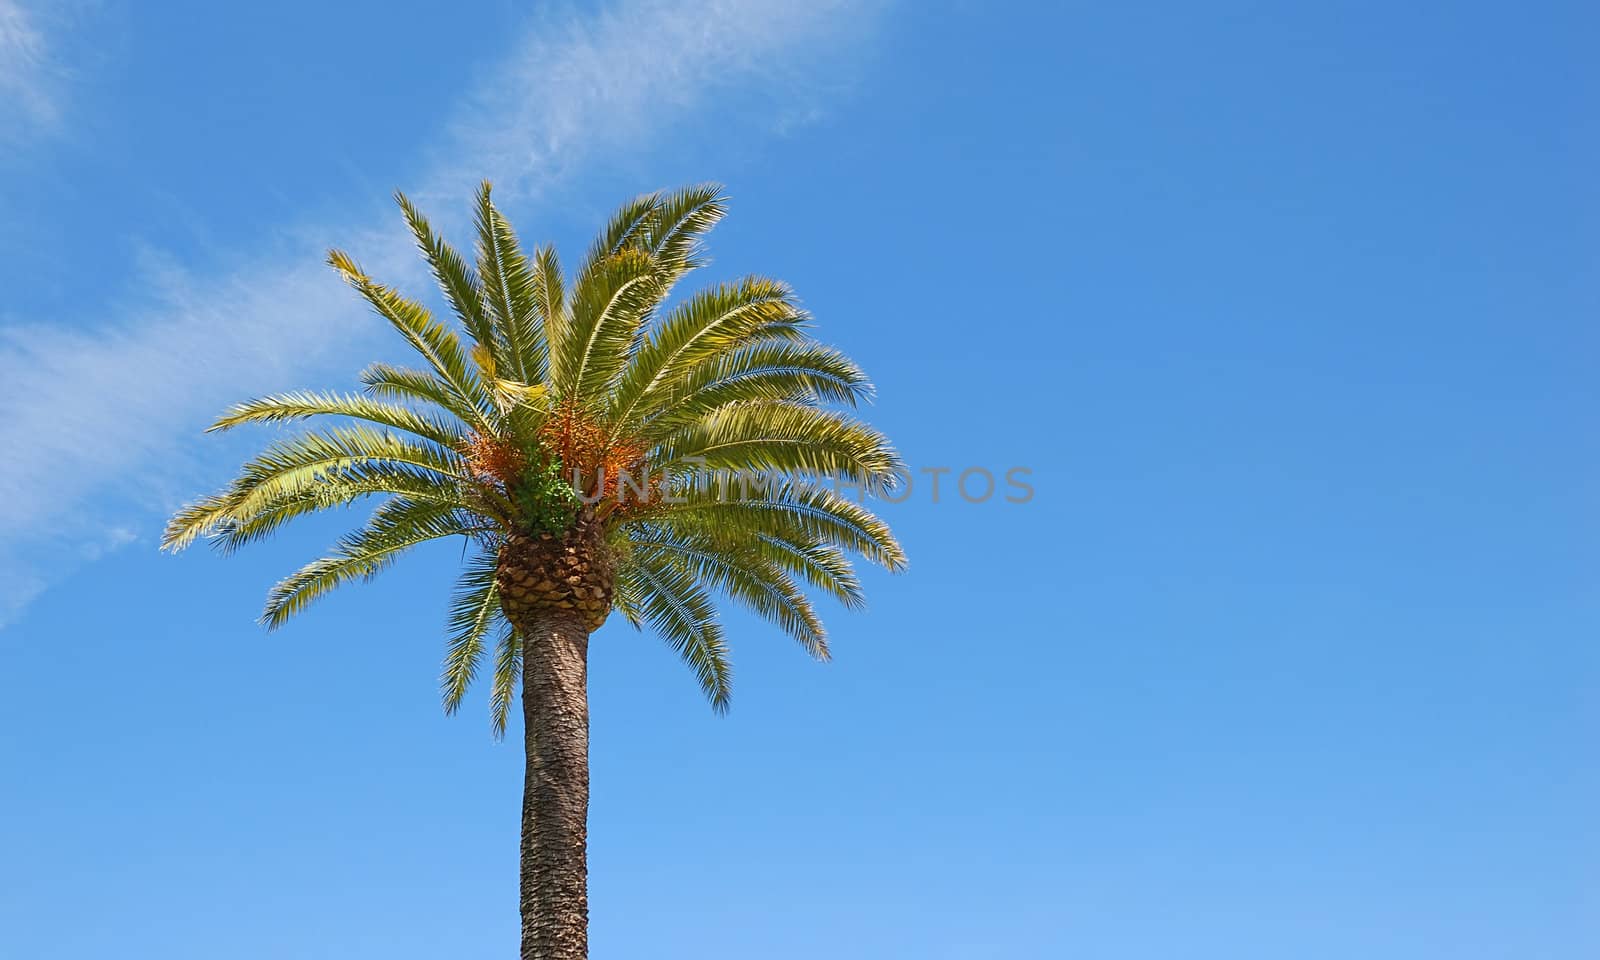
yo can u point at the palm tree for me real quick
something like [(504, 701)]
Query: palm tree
[(601, 447)]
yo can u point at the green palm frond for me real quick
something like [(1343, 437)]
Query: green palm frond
[(623, 230), (792, 372), (783, 437), (708, 325), (474, 612), (509, 292), (243, 527), (507, 671), (550, 303), (746, 575), (304, 462), (387, 382), (662, 591), (673, 230), (395, 527), (332, 467), (460, 286), (436, 343), (821, 565), (794, 510), (299, 405), (610, 305)]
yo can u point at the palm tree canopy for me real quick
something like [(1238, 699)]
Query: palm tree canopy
[(698, 433)]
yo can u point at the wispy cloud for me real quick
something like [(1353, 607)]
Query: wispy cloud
[(83, 412), (605, 82), (27, 83)]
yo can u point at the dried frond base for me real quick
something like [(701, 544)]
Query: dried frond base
[(544, 572)]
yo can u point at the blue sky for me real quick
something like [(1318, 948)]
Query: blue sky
[(1289, 309)]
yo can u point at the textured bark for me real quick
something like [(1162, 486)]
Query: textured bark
[(552, 573), (556, 590), (555, 799)]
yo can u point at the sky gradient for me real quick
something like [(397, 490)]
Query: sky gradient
[(1288, 309)]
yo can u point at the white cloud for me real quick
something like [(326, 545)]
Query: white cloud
[(27, 85), (93, 420), (606, 81)]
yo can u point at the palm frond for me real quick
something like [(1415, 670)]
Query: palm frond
[(704, 327), (388, 382), (473, 613), (299, 405), (745, 575), (436, 343), (786, 438), (395, 527), (461, 288), (306, 464), (507, 671), (244, 526), (509, 291), (610, 305), (780, 370), (624, 229), (550, 303), (821, 565), (794, 510), (674, 228), (663, 592)]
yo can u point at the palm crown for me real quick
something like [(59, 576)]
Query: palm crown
[(601, 445)]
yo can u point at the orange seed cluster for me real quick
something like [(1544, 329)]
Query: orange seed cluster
[(494, 460), (572, 439), (581, 445)]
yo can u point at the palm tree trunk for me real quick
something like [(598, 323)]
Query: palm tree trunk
[(555, 798)]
